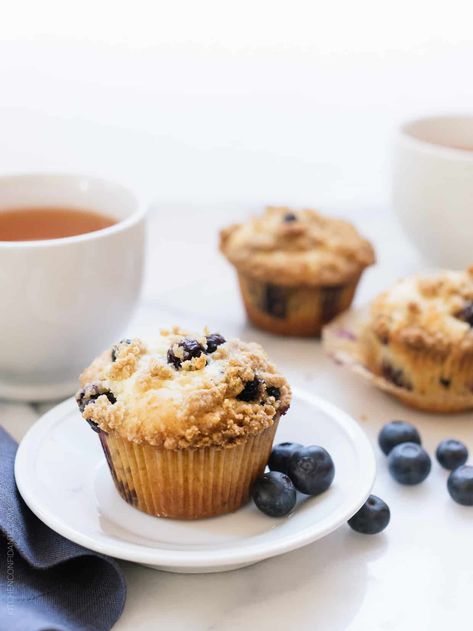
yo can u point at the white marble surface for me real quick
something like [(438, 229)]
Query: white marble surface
[(417, 575)]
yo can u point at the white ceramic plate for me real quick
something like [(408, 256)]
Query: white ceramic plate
[(62, 475)]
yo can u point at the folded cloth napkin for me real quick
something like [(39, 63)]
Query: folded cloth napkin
[(48, 583)]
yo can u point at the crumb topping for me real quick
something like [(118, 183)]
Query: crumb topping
[(427, 312), (154, 392), (297, 247)]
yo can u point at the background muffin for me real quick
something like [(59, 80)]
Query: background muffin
[(296, 269), (186, 422), (420, 338)]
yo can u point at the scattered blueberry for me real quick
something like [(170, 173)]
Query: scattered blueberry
[(460, 485), (466, 314), (90, 393), (279, 458), (116, 347), (289, 217), (373, 516), (311, 469), (213, 342), (451, 453), (272, 391), (250, 391), (395, 433), (445, 383), (191, 348), (409, 463), (274, 494)]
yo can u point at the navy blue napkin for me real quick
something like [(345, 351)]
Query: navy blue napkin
[(48, 583)]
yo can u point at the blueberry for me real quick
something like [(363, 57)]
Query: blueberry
[(409, 463), (272, 391), (279, 458), (90, 393), (373, 516), (250, 391), (289, 217), (190, 349), (274, 494), (460, 485), (466, 314), (311, 469), (395, 376), (275, 300), (395, 433), (93, 425), (451, 453), (116, 348), (213, 342)]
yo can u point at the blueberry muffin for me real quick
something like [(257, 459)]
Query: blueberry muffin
[(296, 269), (419, 337), (186, 421)]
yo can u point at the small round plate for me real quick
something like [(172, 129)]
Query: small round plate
[(62, 475)]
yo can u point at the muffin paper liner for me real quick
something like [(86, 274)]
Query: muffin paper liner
[(343, 341), (299, 310), (187, 483)]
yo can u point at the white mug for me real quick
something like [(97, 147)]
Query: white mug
[(433, 187), (62, 301)]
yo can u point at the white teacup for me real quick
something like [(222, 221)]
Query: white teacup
[(433, 187), (64, 300)]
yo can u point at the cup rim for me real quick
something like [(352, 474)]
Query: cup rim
[(407, 136), (121, 225)]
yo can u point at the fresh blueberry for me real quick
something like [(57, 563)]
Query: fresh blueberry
[(272, 391), (213, 342), (466, 314), (373, 516), (311, 469), (395, 433), (289, 217), (409, 463), (460, 485), (250, 391), (279, 458), (190, 349), (451, 453), (274, 494)]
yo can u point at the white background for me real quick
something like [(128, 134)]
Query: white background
[(253, 100)]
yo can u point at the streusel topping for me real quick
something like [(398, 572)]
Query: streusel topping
[(183, 390), (297, 247), (427, 312)]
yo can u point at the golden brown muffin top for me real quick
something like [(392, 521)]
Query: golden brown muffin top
[(427, 312), (296, 248), (183, 390)]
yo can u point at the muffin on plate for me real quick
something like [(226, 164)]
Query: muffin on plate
[(419, 337), (186, 421), (296, 269)]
